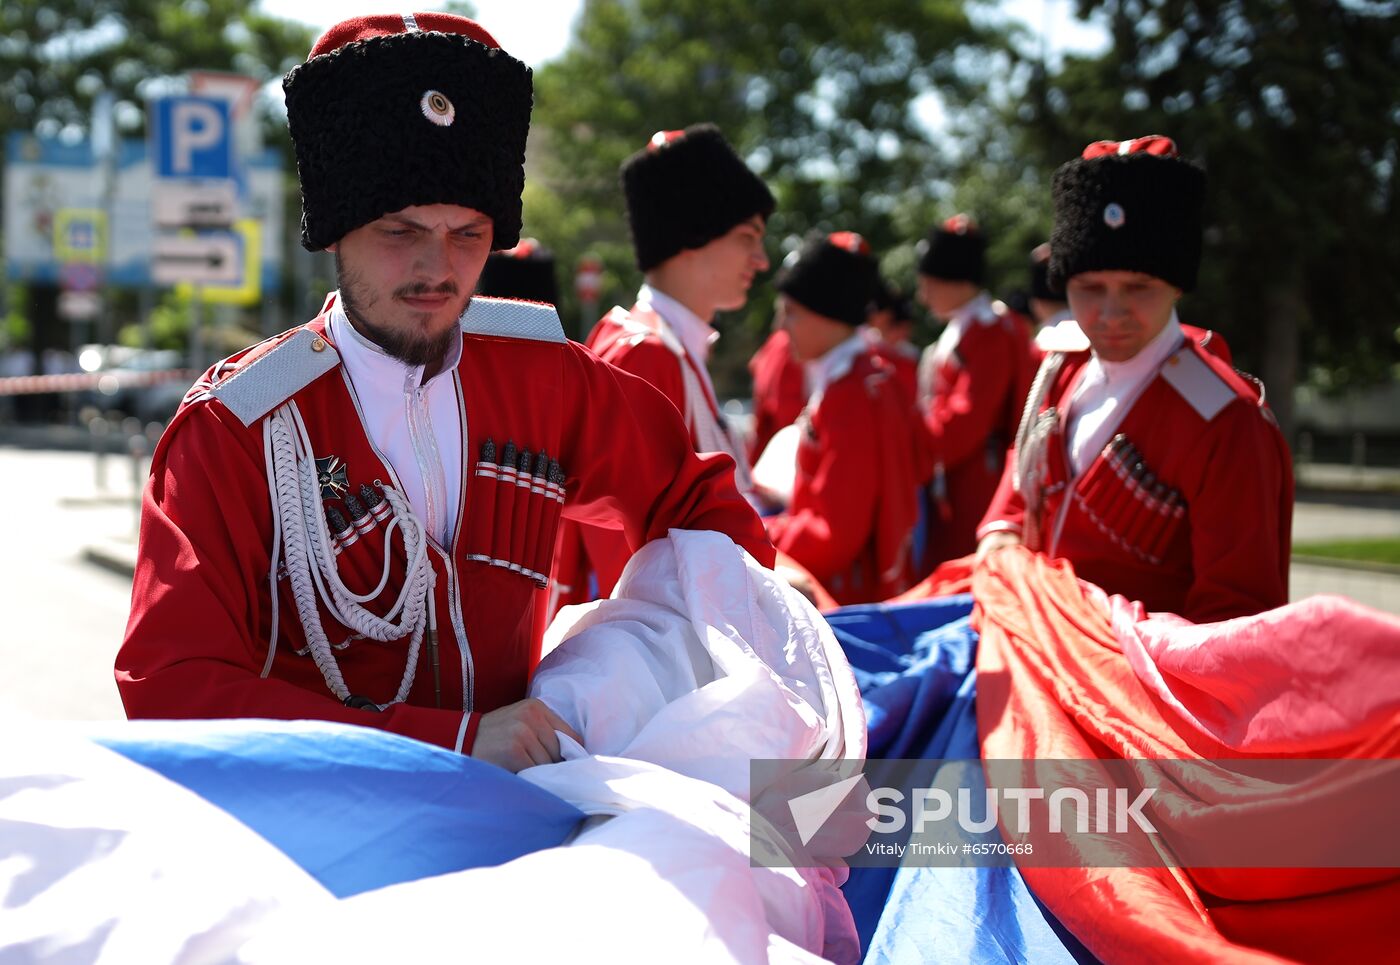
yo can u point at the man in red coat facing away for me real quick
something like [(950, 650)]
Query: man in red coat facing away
[(972, 382), (851, 519), (1143, 458), (779, 391), (353, 521), (698, 217)]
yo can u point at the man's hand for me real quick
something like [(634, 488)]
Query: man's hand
[(520, 735), (992, 542)]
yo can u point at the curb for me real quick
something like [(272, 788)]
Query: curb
[(1366, 566)]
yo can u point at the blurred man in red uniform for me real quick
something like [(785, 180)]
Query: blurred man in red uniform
[(972, 382), (779, 390), (1142, 457), (698, 218), (851, 518), (353, 520), (1047, 303)]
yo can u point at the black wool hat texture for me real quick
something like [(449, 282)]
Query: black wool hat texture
[(833, 275), (1128, 206), (954, 251), (1040, 275), (392, 111), (525, 272), (685, 189)]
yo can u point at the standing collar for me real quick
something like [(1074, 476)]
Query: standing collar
[(364, 360), (1148, 359), (695, 334), (975, 309), (837, 362)]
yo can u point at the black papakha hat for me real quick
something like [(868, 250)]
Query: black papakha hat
[(525, 272), (685, 189), (954, 251), (1128, 206), (396, 110), (1040, 275), (833, 275)]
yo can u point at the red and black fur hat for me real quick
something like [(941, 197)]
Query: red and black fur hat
[(396, 110), (685, 189), (1128, 206), (525, 272), (833, 275), (954, 251)]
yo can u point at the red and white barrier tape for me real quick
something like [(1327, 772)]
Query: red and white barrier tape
[(105, 382)]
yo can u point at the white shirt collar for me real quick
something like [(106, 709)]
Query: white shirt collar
[(1148, 359), (979, 307), (695, 334), (835, 363), (1062, 315), (366, 363)]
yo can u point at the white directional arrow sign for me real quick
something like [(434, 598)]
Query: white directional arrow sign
[(193, 204), (209, 259)]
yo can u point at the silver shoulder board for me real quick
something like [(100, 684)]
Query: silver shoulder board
[(1197, 383), (274, 377), (508, 318)]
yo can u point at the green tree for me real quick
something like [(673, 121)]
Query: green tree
[(1294, 110), (57, 58), (821, 98)]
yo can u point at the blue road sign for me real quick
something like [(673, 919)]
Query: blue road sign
[(193, 138)]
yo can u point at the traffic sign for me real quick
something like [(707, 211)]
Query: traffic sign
[(80, 234), (247, 290), (193, 138), (79, 276), (204, 259), (79, 306), (194, 204)]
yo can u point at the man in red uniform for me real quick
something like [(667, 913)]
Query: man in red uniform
[(851, 519), (698, 217), (1143, 458), (889, 328), (779, 391), (1047, 303), (972, 382), (352, 521)]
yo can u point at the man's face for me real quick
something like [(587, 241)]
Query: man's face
[(1120, 311), (807, 331), (727, 265), (406, 278), (943, 297)]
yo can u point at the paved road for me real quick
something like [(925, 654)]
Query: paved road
[(65, 616)]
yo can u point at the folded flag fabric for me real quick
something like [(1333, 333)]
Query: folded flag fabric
[(1057, 681), (915, 666), (357, 808)]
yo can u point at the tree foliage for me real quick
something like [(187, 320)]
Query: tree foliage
[(57, 57), (821, 98), (1294, 111)]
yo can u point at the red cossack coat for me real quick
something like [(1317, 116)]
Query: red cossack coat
[(971, 402), (779, 391), (854, 501), (197, 641), (1189, 507), (590, 558)]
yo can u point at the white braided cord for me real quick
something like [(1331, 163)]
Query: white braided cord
[(301, 534)]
